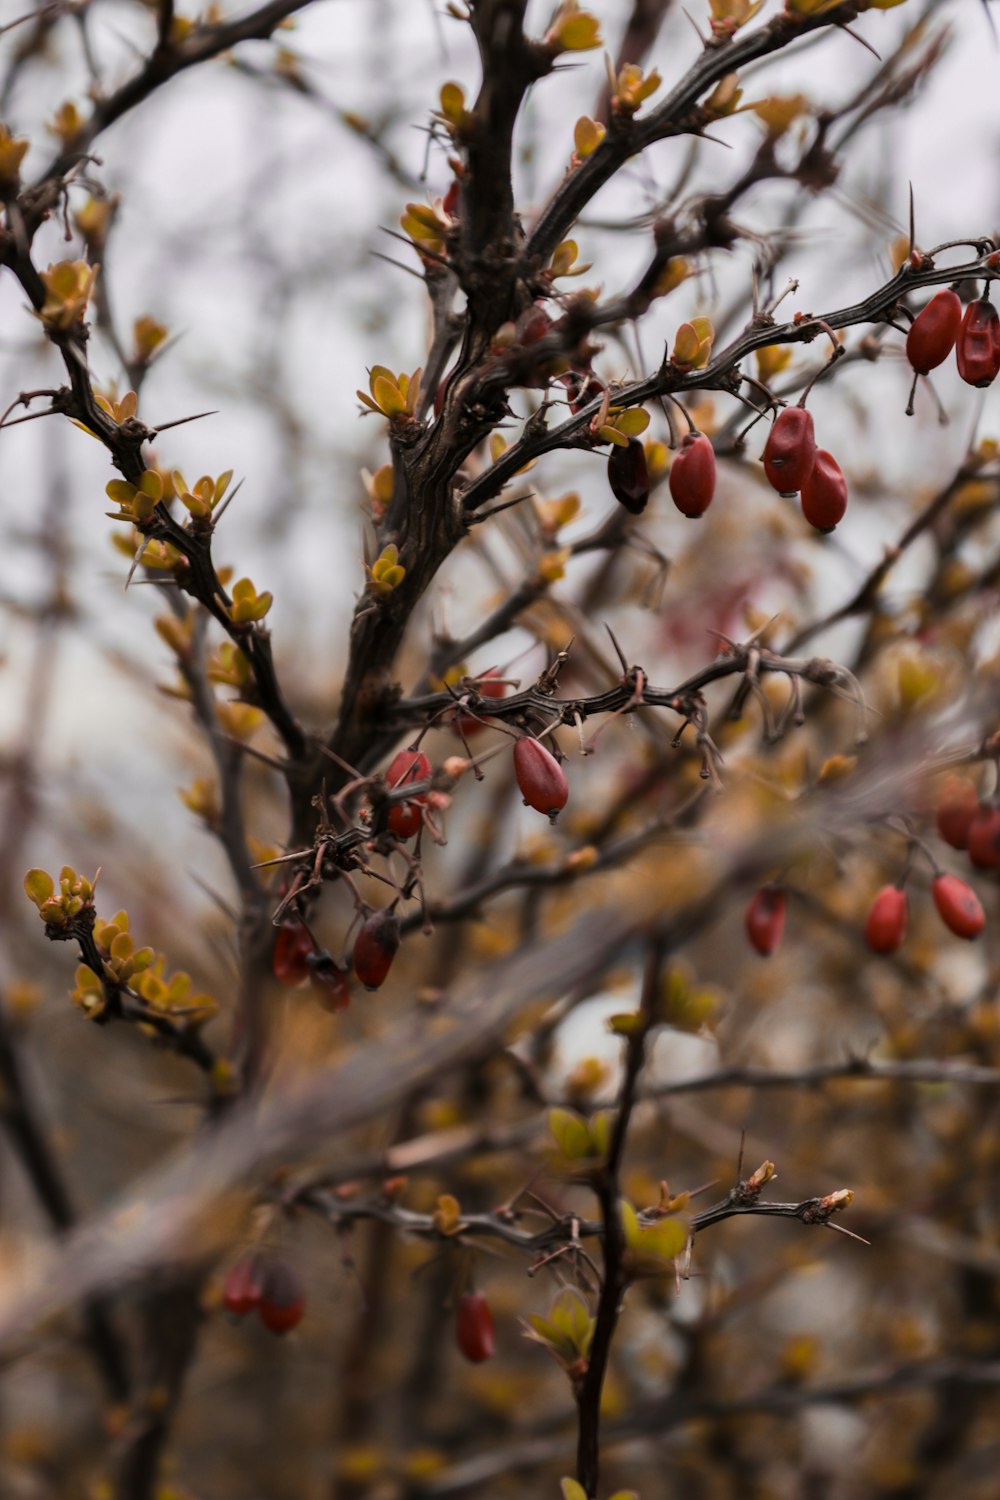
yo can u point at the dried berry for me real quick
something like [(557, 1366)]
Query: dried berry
[(885, 928), (790, 450), (540, 776), (824, 493), (628, 476), (956, 810), (978, 349), (765, 919), (958, 906), (283, 1298), (244, 1285), (290, 958), (474, 1327), (692, 475), (984, 836), (933, 332), (375, 947)]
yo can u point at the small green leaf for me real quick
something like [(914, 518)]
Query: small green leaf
[(38, 886)]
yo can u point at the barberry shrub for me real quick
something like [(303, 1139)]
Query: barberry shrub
[(574, 644)]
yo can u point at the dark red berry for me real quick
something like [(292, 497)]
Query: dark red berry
[(489, 685), (375, 947), (407, 766), (885, 928), (956, 810), (958, 906), (283, 1297), (824, 493), (474, 1327), (984, 836), (628, 476), (540, 776), (244, 1285), (290, 958), (934, 331), (790, 450), (329, 983), (692, 475), (978, 351), (765, 919)]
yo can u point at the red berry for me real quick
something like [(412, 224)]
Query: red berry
[(489, 685), (290, 958), (765, 919), (474, 1327), (243, 1286), (824, 493), (933, 332), (887, 919), (375, 948), (283, 1298), (958, 906), (956, 810), (984, 836), (540, 776), (692, 475), (329, 983), (790, 450), (628, 476), (978, 351), (404, 819), (407, 766)]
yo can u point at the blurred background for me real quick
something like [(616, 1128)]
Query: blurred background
[(250, 202)]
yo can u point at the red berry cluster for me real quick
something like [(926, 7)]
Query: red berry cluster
[(268, 1286), (966, 823), (296, 958), (941, 327), (957, 904), (795, 466)]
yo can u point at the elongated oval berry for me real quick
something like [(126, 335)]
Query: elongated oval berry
[(244, 1285), (978, 349), (958, 906), (628, 476), (692, 475), (541, 778), (885, 928), (934, 331), (824, 493), (375, 947), (290, 957), (790, 450), (956, 810), (489, 685), (765, 919), (283, 1298), (474, 1327), (984, 836)]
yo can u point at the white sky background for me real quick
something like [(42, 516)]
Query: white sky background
[(233, 189)]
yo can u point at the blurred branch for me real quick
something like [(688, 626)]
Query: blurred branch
[(22, 1120)]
